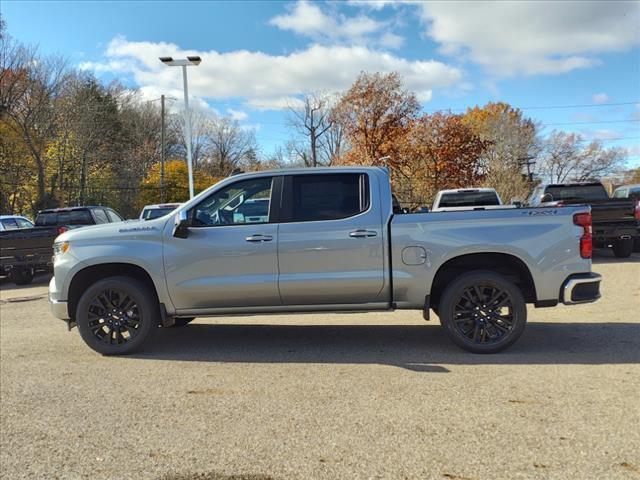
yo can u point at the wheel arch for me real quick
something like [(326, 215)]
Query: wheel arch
[(510, 266), (93, 273)]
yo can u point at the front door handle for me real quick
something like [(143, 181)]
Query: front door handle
[(362, 233), (259, 238)]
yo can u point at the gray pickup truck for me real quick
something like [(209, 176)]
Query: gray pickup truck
[(325, 239)]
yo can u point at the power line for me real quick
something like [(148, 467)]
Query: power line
[(584, 105), (589, 123)]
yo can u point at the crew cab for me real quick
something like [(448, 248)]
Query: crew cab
[(466, 199), (320, 240), (615, 220)]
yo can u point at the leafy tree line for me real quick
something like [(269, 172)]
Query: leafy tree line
[(68, 139)]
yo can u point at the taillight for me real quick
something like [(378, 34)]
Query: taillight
[(61, 230), (636, 212), (586, 244)]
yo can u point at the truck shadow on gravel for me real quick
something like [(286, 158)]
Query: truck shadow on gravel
[(413, 347)]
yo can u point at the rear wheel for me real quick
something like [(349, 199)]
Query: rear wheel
[(117, 315), (483, 312), (623, 248), (21, 276)]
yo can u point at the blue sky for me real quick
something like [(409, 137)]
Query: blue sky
[(260, 56)]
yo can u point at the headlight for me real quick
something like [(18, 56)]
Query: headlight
[(60, 247)]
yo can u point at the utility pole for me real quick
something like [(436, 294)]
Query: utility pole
[(162, 149)]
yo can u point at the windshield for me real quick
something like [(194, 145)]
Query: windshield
[(577, 192), (468, 199)]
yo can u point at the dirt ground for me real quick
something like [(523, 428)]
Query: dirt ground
[(326, 396)]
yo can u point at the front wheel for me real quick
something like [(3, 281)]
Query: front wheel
[(623, 248), (117, 315), (483, 312)]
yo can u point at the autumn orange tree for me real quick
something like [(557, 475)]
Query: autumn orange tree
[(511, 141), (440, 152), (176, 181), (376, 113)]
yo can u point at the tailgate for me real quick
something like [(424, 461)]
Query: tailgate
[(27, 245), (613, 211)]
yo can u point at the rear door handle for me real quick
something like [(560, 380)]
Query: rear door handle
[(362, 233), (259, 238)]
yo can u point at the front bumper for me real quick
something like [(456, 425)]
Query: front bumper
[(581, 288), (57, 305), (59, 309)]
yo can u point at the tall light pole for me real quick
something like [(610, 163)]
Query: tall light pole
[(184, 63)]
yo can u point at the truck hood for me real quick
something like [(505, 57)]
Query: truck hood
[(114, 230)]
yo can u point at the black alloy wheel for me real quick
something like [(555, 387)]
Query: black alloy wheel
[(483, 312), (117, 315)]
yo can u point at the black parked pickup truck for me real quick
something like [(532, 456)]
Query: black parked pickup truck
[(24, 251), (616, 221)]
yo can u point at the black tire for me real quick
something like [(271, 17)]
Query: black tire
[(182, 322), (623, 248), (470, 315), (117, 315), (636, 244), (21, 276)]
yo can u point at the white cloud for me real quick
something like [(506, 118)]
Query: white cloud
[(391, 40), (633, 150), (238, 115), (600, 98), (529, 38), (602, 134), (308, 19), (280, 103), (266, 81), (373, 4)]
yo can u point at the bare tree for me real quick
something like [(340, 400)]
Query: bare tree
[(568, 157), (228, 146), (312, 120)]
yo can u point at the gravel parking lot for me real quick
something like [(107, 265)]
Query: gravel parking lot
[(326, 396)]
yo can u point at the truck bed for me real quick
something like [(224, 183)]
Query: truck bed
[(27, 247)]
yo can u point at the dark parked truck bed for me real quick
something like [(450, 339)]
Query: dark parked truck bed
[(615, 220), (25, 251)]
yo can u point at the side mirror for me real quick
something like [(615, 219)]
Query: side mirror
[(183, 222), (547, 197), (517, 202)]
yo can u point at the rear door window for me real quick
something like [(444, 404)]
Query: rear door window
[(318, 197), (24, 223), (9, 224), (113, 216), (100, 215)]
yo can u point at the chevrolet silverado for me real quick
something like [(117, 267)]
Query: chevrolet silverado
[(325, 239)]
